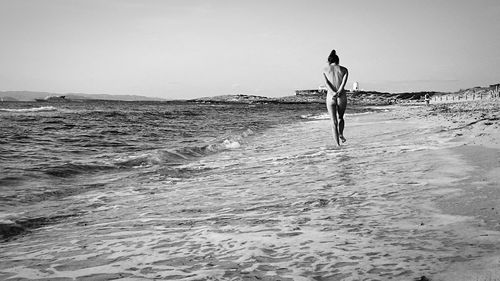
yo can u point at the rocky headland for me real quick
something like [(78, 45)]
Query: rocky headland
[(360, 97), (354, 98)]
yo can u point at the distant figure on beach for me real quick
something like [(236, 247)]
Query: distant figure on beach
[(427, 99), (336, 98)]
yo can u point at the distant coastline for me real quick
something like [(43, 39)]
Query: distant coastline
[(354, 97), (32, 96), (301, 96), (358, 98)]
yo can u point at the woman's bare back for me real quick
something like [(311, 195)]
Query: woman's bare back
[(335, 74)]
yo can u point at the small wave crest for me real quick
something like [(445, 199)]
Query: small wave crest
[(183, 155), (12, 226), (33, 109), (172, 160), (321, 116), (229, 142), (71, 169)]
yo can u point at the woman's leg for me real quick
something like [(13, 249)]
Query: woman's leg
[(341, 106), (331, 105)]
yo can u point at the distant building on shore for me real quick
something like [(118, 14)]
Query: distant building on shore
[(355, 87)]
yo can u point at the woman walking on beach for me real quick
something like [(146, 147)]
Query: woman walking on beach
[(336, 98)]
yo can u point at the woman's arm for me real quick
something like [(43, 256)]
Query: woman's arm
[(344, 81), (330, 85)]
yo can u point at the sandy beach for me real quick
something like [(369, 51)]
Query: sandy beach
[(469, 122), (475, 128), (413, 195)]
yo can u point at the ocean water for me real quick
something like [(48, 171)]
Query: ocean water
[(179, 191), (52, 151)]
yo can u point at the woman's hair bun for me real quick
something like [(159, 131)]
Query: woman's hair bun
[(333, 58)]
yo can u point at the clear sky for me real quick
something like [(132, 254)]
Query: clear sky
[(193, 48)]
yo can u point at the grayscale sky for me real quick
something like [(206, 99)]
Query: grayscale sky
[(194, 48)]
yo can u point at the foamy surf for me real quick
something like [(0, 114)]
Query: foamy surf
[(33, 109), (174, 159)]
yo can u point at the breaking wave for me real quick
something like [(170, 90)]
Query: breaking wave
[(164, 158), (183, 155), (33, 109)]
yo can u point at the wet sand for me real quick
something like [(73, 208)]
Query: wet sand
[(475, 128), (417, 201)]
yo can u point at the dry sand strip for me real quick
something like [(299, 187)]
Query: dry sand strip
[(468, 123), (473, 123), (475, 127)]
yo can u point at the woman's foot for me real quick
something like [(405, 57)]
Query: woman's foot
[(341, 137)]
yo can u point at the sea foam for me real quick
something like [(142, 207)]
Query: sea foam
[(33, 109)]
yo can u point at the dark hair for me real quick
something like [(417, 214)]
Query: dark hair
[(333, 58)]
